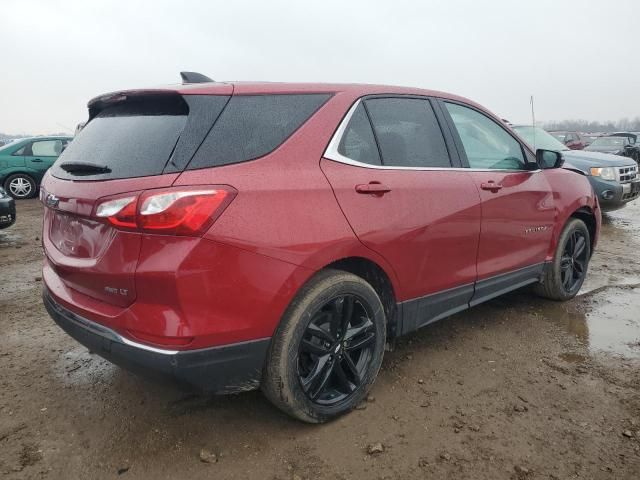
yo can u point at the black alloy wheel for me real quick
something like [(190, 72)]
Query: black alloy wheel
[(328, 348), (336, 350), (564, 275), (573, 264)]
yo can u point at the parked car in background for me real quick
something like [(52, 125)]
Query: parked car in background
[(590, 137), (614, 179), (633, 137), (7, 209), (623, 144), (276, 236), (573, 140), (23, 163)]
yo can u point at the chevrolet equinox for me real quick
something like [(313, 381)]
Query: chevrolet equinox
[(233, 236)]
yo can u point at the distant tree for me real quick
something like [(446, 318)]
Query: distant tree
[(624, 124)]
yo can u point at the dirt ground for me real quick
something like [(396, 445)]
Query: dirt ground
[(516, 388)]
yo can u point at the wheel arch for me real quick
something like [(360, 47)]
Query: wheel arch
[(589, 218), (582, 211), (379, 279)]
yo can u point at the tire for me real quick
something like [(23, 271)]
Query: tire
[(304, 344), (563, 277), (20, 186)]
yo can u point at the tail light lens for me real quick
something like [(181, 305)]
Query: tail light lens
[(120, 212), (174, 211)]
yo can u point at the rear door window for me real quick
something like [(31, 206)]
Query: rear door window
[(408, 132), (252, 126), (46, 148), (132, 139)]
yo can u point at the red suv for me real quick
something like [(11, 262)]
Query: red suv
[(234, 236)]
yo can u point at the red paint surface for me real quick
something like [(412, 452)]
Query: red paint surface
[(294, 214)]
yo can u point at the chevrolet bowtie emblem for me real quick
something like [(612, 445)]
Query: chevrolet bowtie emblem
[(52, 200)]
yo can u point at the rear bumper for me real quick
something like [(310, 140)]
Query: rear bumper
[(226, 369)]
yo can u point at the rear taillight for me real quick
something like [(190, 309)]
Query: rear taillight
[(120, 212), (173, 211)]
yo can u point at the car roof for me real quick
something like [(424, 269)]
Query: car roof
[(19, 142), (262, 88), (44, 137), (623, 134)]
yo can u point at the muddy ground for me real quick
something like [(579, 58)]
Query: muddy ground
[(516, 388)]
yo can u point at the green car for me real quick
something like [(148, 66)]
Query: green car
[(23, 163)]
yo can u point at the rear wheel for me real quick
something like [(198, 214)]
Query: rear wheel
[(20, 186), (565, 275), (328, 349)]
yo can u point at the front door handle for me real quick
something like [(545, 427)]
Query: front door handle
[(39, 160), (372, 188), (491, 186)]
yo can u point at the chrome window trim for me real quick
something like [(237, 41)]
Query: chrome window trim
[(331, 153)]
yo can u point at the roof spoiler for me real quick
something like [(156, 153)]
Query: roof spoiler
[(194, 77)]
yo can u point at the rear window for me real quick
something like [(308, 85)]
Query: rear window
[(132, 139), (252, 126)]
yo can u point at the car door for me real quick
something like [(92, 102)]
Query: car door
[(392, 174), (518, 211)]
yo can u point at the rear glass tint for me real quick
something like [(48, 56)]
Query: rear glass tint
[(132, 139), (252, 126)]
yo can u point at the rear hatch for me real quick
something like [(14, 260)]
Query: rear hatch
[(134, 141)]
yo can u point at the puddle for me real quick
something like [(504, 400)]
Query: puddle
[(608, 322), (11, 239), (573, 358)]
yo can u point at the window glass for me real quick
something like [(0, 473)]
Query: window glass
[(408, 132), (559, 135), (358, 142), (487, 145), (133, 138), (46, 148), (20, 151), (252, 126)]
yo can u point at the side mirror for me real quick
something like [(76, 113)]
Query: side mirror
[(549, 159)]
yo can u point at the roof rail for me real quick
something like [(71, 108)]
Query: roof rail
[(194, 77)]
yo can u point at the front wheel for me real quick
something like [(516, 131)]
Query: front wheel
[(565, 275), (328, 349)]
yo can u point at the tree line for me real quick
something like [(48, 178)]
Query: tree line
[(622, 125)]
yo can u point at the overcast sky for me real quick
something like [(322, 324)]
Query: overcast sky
[(580, 59)]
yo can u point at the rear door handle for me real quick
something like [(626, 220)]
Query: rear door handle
[(37, 160), (491, 186), (372, 188)]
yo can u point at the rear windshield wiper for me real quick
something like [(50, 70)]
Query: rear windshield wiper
[(84, 168)]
